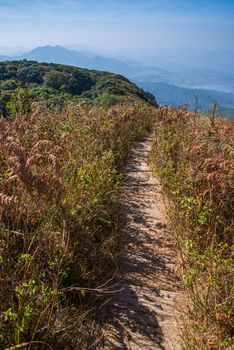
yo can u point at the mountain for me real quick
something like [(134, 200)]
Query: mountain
[(177, 96), (176, 71), (86, 59), (83, 59), (4, 58), (131, 69), (55, 54)]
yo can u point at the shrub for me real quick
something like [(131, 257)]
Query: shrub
[(8, 85), (30, 74), (55, 79)]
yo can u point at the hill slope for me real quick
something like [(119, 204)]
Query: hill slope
[(177, 96), (57, 83)]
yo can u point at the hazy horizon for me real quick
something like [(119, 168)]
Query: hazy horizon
[(117, 27)]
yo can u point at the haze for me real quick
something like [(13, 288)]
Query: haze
[(118, 27)]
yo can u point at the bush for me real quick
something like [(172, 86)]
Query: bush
[(31, 74), (2, 71), (55, 79), (8, 85), (79, 83)]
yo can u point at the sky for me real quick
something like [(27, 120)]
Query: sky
[(120, 27)]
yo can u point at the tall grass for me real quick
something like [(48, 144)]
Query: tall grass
[(59, 178), (193, 155)]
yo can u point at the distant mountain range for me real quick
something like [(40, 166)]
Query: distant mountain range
[(87, 59), (183, 75), (178, 96), (4, 58), (169, 86), (184, 58)]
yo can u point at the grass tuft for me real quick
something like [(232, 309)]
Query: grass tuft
[(59, 180), (193, 155)]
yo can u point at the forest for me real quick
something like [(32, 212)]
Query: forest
[(55, 85)]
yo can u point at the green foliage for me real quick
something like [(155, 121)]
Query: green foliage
[(75, 83), (55, 79), (50, 83), (78, 83), (30, 74), (19, 103), (8, 85)]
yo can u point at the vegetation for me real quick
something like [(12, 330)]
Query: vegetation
[(193, 155), (54, 85), (63, 147), (59, 177)]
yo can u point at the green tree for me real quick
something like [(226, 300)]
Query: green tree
[(55, 79)]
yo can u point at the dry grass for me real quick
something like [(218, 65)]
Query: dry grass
[(59, 178), (193, 154)]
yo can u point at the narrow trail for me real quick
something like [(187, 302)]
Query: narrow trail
[(144, 314)]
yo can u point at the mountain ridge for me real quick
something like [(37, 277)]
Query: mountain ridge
[(186, 79), (178, 96), (185, 76)]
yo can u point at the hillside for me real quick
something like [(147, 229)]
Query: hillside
[(55, 84), (178, 96)]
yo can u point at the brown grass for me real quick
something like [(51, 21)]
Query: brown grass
[(59, 178), (193, 154)]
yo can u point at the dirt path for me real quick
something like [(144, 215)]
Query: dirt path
[(144, 314)]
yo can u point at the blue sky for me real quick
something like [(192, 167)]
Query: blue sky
[(118, 26)]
